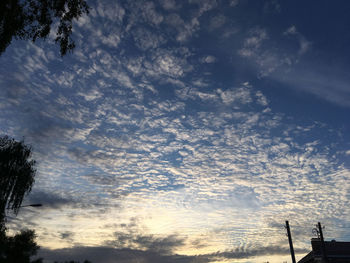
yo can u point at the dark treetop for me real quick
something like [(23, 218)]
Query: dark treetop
[(32, 19), (16, 174)]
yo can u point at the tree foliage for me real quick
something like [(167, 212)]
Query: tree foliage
[(33, 19), (19, 248), (17, 171)]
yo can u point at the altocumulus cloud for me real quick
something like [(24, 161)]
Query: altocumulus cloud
[(142, 122)]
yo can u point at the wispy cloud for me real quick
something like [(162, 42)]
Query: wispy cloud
[(260, 48), (323, 81)]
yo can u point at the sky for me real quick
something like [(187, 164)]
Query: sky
[(185, 131)]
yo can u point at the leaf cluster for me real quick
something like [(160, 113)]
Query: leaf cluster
[(17, 171), (19, 248), (33, 19)]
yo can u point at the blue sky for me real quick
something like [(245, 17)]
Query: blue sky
[(186, 131)]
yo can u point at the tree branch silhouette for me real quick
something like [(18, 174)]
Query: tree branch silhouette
[(33, 19), (17, 172)]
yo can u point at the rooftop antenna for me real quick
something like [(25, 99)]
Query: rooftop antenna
[(322, 243)]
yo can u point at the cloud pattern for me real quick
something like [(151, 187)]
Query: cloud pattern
[(139, 148)]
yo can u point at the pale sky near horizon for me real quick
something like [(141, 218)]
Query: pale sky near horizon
[(186, 131)]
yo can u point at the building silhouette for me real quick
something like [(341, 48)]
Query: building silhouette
[(336, 252)]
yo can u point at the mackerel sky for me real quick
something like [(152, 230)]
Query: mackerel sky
[(185, 131)]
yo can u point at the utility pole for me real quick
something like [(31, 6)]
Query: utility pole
[(290, 242), (322, 243)]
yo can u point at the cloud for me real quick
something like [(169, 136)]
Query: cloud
[(231, 96), (217, 22), (166, 63), (205, 5), (305, 45), (150, 14), (109, 255), (187, 28), (67, 235), (88, 96), (145, 39), (260, 48), (290, 70), (113, 12), (261, 99), (327, 83), (272, 6), (253, 42), (208, 59), (170, 4), (292, 30), (265, 57), (161, 245), (143, 12), (253, 252), (49, 200), (234, 3)]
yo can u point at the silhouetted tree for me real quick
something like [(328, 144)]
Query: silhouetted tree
[(3, 242), (19, 248), (17, 173), (32, 19)]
